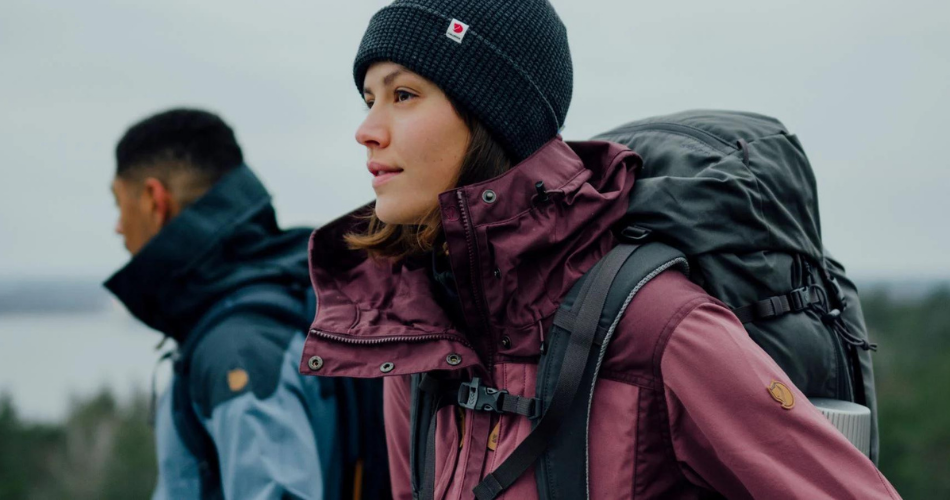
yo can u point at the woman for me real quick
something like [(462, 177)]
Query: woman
[(484, 219)]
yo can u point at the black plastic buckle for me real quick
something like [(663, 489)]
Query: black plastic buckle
[(475, 396), (799, 298)]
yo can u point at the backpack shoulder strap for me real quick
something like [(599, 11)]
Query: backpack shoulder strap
[(269, 299), (586, 318)]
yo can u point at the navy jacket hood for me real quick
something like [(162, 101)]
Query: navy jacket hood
[(226, 240)]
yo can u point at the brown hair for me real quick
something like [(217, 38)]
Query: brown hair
[(483, 160)]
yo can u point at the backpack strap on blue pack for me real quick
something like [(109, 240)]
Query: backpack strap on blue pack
[(265, 298)]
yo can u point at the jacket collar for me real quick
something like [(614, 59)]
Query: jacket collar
[(514, 252), (155, 284)]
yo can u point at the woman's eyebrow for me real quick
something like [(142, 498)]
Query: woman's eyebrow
[(388, 79)]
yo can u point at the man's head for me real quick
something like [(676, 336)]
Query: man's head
[(163, 164)]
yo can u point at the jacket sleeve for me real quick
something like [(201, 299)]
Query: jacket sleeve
[(728, 432), (266, 447), (250, 397), (396, 404)]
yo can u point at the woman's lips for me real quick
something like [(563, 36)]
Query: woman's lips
[(383, 177), (382, 173)]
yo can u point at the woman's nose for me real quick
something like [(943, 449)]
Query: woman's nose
[(373, 132)]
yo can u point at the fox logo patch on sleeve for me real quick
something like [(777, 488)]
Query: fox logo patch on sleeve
[(237, 379), (781, 393)]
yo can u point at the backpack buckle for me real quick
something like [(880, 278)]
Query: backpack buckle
[(800, 298), (475, 396)]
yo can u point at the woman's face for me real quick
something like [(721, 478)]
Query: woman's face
[(415, 142)]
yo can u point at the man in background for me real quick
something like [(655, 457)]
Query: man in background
[(212, 270)]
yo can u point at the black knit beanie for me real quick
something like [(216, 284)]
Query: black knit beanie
[(505, 61)]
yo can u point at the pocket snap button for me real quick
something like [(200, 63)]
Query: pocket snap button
[(315, 362)]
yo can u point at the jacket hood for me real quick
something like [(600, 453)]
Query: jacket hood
[(227, 239), (517, 243)]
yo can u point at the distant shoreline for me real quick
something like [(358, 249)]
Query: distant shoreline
[(26, 296)]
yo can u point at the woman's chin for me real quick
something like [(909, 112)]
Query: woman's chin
[(393, 212)]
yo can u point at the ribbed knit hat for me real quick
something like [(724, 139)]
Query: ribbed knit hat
[(505, 61)]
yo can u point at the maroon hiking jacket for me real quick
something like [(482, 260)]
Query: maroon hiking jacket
[(682, 407)]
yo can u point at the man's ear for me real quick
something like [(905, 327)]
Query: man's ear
[(160, 204)]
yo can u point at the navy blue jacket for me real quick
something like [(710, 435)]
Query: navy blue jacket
[(276, 434)]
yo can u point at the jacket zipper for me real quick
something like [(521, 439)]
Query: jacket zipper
[(403, 338), (475, 279)]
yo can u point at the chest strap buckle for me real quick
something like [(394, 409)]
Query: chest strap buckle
[(476, 396)]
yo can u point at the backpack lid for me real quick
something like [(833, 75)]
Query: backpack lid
[(722, 181)]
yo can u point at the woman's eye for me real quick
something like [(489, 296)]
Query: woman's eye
[(402, 95), (369, 103)]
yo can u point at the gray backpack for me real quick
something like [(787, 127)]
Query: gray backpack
[(729, 199), (736, 194)]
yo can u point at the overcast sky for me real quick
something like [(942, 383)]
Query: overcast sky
[(864, 84)]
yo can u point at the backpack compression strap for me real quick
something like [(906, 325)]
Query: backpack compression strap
[(605, 290), (795, 301)]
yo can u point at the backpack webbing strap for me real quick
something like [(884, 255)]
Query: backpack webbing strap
[(592, 298), (476, 396), (795, 301), (526, 407)]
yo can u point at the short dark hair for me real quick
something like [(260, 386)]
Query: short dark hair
[(196, 140)]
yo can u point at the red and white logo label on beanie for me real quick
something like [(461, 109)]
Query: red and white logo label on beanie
[(457, 30)]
